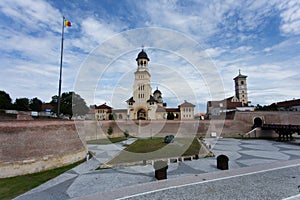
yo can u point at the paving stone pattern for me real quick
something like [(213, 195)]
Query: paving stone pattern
[(84, 180)]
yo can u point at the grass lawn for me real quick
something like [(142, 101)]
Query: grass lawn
[(12, 187), (149, 149), (106, 140)]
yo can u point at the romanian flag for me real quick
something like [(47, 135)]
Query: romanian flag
[(67, 23)]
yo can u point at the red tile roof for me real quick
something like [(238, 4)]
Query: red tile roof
[(294, 102), (226, 103), (172, 110), (103, 106), (186, 104)]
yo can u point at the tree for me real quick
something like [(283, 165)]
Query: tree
[(170, 116), (35, 104), (79, 105), (5, 100), (258, 107), (70, 104), (22, 104), (272, 107), (126, 134), (111, 116), (110, 130)]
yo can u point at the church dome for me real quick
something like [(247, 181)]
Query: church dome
[(142, 55), (156, 92)]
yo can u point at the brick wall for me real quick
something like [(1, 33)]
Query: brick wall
[(33, 146)]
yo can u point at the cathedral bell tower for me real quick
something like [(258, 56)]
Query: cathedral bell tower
[(137, 104), (241, 88)]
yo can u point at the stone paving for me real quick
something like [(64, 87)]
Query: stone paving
[(84, 180)]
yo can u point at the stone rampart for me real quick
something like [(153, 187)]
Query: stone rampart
[(242, 123), (34, 146), (158, 128)]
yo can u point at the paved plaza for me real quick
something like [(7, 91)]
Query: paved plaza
[(255, 167)]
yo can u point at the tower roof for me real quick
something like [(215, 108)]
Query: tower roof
[(151, 99), (130, 100), (142, 54), (240, 75), (157, 91)]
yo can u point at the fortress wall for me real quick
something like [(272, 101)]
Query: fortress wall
[(269, 117), (34, 146), (241, 124), (158, 128)]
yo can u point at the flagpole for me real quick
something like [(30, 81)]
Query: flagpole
[(60, 70)]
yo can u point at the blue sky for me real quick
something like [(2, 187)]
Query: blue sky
[(262, 38)]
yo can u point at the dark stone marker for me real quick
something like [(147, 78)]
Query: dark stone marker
[(187, 158), (160, 167), (222, 162), (144, 162)]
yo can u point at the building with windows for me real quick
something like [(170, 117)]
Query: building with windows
[(102, 112), (290, 105), (238, 102), (143, 104)]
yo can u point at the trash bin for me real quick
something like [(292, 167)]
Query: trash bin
[(222, 162), (160, 167)]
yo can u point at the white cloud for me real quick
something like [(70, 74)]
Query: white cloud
[(290, 14), (215, 52), (229, 30), (33, 15)]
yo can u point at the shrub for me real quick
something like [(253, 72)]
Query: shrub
[(110, 130), (126, 133), (170, 116)]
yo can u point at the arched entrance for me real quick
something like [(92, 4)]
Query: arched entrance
[(257, 122), (141, 114)]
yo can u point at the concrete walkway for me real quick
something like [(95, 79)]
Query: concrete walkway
[(85, 182)]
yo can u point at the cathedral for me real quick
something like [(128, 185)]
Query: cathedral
[(237, 102), (143, 104)]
